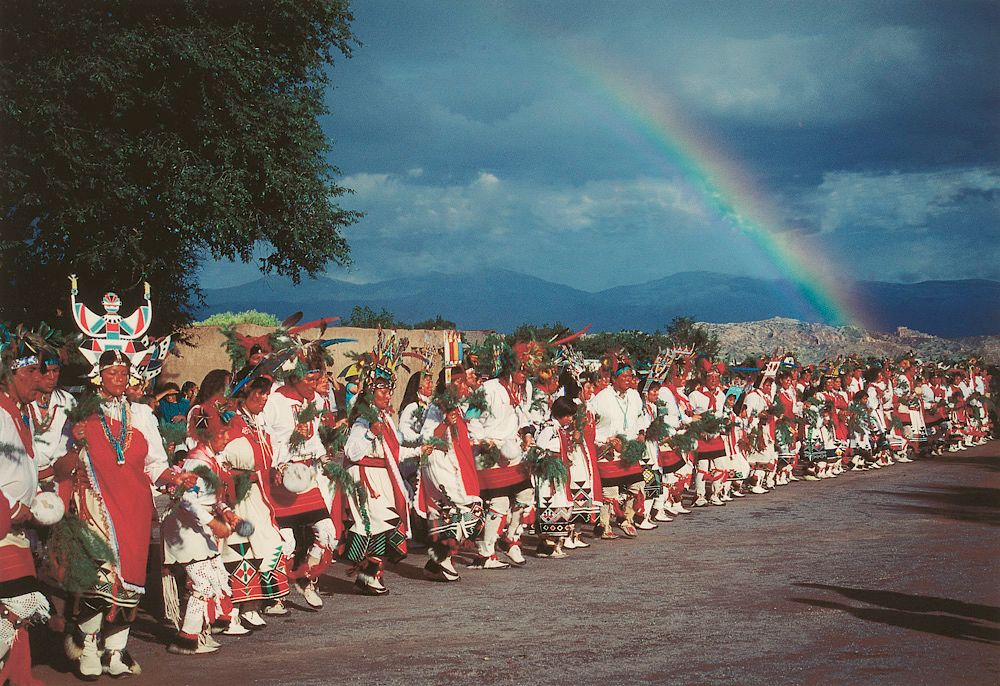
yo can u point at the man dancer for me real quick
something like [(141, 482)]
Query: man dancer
[(505, 486), (620, 417)]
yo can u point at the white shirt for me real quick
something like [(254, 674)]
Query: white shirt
[(618, 414), (279, 417), (50, 444), (502, 420), (18, 474)]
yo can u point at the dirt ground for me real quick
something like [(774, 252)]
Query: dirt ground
[(883, 577)]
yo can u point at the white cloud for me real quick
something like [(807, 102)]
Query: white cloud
[(911, 226), (897, 201), (594, 235), (489, 202)]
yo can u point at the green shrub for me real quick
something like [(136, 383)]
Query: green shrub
[(234, 318)]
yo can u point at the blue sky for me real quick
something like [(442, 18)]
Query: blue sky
[(474, 136)]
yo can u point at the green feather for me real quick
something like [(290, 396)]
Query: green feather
[(476, 400), (546, 465), (343, 480), (211, 479), (489, 456), (76, 553), (87, 405), (632, 450), (242, 483)]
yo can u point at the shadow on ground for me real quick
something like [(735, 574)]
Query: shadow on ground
[(940, 616), (989, 463), (961, 503)]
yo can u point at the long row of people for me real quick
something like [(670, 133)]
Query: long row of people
[(271, 475)]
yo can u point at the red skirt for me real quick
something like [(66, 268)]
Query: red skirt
[(710, 448), (498, 482), (618, 473)]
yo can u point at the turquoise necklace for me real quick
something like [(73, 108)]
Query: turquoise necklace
[(120, 442)]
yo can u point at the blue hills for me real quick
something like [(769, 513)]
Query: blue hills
[(502, 300)]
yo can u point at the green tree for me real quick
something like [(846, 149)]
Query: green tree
[(684, 332), (439, 323), (641, 347), (365, 317), (140, 138), (538, 332)]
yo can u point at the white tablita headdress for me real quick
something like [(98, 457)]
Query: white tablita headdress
[(122, 334)]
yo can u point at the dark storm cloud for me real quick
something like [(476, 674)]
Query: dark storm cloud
[(477, 127)]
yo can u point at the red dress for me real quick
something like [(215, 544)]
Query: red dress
[(116, 499)]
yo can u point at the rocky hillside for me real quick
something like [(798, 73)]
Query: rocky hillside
[(814, 342)]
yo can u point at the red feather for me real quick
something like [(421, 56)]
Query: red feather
[(312, 325), (572, 337)]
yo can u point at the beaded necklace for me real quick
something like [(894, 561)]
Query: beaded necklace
[(122, 441), (622, 406), (43, 422), (265, 445)]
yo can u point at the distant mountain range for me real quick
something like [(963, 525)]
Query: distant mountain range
[(502, 300)]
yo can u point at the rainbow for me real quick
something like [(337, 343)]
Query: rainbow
[(807, 277)]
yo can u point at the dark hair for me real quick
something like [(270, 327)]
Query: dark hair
[(563, 407), (170, 387), (261, 384), (570, 387), (457, 370), (188, 385), (412, 387), (212, 385)]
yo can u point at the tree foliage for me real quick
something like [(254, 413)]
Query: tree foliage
[(439, 323), (227, 318), (365, 317), (640, 346), (140, 138), (684, 332), (537, 332)]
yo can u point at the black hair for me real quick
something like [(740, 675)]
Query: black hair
[(457, 370), (212, 385), (563, 407), (412, 388), (261, 384), (570, 386)]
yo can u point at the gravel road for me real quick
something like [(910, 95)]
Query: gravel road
[(884, 577)]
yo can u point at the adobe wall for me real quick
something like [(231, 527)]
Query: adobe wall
[(205, 351)]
